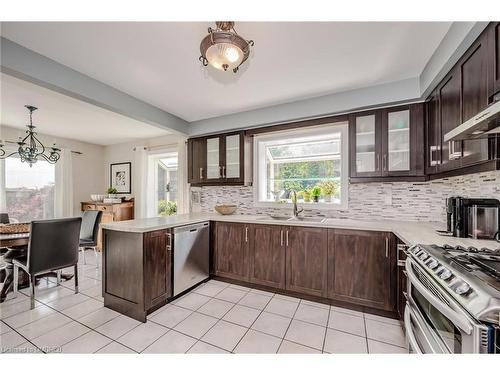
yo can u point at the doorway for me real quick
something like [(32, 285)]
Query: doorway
[(162, 184)]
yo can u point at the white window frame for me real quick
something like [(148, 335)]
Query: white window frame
[(259, 164)]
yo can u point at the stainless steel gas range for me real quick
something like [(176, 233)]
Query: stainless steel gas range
[(453, 302)]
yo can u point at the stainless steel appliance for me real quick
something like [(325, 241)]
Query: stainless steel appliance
[(485, 124), (191, 255), (453, 301), (477, 218)]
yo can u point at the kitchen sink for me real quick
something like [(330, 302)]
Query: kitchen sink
[(297, 218), (275, 217), (308, 219)]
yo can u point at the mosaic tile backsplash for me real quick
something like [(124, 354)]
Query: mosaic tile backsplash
[(409, 201)]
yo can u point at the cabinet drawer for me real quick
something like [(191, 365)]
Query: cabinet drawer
[(88, 207), (104, 208)]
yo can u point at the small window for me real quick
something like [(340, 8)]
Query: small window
[(312, 162)]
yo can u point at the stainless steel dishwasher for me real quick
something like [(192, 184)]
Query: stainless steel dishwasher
[(191, 255)]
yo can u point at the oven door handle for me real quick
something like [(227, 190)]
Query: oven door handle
[(409, 331), (460, 321)]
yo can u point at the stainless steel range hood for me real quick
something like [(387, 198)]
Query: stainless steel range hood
[(482, 125)]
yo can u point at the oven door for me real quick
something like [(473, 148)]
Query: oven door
[(434, 322)]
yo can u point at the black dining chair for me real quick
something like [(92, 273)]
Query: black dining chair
[(89, 232), (53, 245)]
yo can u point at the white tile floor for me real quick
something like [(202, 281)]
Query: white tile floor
[(216, 317)]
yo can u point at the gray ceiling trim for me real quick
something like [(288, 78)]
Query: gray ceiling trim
[(28, 65)]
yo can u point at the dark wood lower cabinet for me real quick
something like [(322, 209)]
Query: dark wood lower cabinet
[(347, 267), (137, 272), (306, 255), (232, 250), (157, 260), (361, 268), (267, 255)]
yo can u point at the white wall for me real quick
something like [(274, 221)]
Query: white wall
[(124, 152), (87, 167)]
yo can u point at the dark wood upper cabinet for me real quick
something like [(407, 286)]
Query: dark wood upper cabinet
[(306, 255), (474, 90), (217, 159), (197, 169), (361, 268), (449, 118), (387, 143), (365, 144), (433, 134), (268, 255), (493, 59), (231, 255)]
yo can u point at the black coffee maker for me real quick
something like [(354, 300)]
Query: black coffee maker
[(454, 216)]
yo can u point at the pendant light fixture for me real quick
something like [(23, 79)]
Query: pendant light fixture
[(30, 149), (223, 48)]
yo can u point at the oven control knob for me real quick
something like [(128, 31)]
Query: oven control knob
[(422, 255), (432, 263), (462, 288), (445, 274)]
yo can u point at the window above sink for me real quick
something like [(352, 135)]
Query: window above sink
[(301, 160)]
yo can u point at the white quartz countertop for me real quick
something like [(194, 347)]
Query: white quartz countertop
[(410, 232)]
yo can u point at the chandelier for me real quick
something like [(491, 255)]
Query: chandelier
[(223, 48), (30, 149)]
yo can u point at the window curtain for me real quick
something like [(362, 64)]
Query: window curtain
[(3, 197), (139, 183), (64, 185), (182, 185)]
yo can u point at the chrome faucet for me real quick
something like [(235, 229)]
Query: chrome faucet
[(296, 211)]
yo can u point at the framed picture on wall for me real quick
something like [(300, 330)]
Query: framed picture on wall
[(120, 177)]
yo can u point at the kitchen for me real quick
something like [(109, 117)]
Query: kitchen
[(361, 221)]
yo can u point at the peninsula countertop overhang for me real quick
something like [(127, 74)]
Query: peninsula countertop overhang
[(410, 232)]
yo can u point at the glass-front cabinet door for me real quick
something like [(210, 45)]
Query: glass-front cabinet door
[(398, 142), (214, 168), (231, 167), (366, 141)]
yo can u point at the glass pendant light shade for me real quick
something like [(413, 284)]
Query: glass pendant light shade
[(224, 56), (223, 48)]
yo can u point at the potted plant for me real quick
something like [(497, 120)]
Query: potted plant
[(306, 194), (329, 189), (112, 192), (316, 193)]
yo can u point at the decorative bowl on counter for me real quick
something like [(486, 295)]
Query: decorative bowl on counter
[(226, 209), (98, 197)]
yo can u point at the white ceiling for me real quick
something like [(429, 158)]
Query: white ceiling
[(61, 116), (158, 62)]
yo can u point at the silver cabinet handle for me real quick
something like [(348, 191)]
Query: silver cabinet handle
[(169, 241), (201, 173), (223, 171), (378, 162), (287, 238), (246, 234), (384, 162), (387, 247), (281, 235)]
